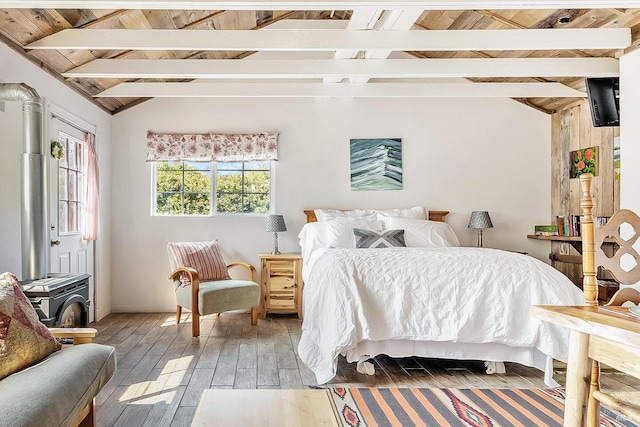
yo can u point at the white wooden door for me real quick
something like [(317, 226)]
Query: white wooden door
[(70, 253)]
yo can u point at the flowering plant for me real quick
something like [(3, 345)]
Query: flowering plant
[(57, 151), (584, 161)]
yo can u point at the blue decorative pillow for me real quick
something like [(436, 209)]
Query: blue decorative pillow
[(378, 239)]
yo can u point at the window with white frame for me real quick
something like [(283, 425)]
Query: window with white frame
[(72, 169), (205, 188)]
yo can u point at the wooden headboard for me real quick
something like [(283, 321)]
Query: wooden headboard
[(433, 215)]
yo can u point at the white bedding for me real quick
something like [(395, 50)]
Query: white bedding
[(472, 302)]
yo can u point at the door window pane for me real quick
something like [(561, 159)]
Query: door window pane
[(71, 185), (73, 217), (71, 155), (63, 161), (63, 217), (63, 192)]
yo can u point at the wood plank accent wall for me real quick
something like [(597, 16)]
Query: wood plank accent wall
[(572, 129)]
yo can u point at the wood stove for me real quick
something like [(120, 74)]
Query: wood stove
[(61, 300)]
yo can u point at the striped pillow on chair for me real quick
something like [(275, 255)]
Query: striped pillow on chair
[(204, 257)]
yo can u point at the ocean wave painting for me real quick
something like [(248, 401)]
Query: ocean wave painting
[(376, 164)]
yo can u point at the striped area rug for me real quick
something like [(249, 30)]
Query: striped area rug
[(455, 407)]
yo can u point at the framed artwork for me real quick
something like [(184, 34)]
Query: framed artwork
[(584, 161), (376, 164)]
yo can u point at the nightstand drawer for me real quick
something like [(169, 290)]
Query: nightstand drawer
[(281, 268), (282, 301), (277, 284)]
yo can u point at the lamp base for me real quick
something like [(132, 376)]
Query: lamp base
[(480, 238), (275, 244)]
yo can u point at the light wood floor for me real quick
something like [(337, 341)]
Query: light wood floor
[(162, 371)]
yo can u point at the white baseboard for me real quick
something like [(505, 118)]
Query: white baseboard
[(145, 309), (142, 309)]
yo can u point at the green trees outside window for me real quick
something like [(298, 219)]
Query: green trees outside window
[(184, 188)]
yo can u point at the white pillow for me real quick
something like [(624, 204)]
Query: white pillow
[(339, 231), (329, 214), (418, 212), (312, 236), (419, 233), (370, 216)]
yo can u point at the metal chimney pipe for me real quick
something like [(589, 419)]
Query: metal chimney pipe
[(34, 196)]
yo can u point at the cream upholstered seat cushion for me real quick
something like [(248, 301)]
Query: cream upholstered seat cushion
[(220, 296)]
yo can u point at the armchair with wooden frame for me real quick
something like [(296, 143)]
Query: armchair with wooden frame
[(625, 272), (214, 296)]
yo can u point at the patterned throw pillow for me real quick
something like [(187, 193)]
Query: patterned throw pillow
[(24, 340), (204, 257), (378, 239)]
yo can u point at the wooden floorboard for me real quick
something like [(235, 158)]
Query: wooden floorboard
[(162, 370)]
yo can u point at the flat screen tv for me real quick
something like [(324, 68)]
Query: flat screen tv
[(604, 101)]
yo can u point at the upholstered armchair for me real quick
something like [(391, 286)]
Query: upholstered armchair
[(202, 283)]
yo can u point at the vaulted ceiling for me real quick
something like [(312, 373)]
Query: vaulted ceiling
[(119, 57)]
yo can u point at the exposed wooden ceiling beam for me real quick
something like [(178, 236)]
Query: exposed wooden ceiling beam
[(340, 90), (393, 20), (388, 20), (501, 19), (352, 68), (319, 5), (329, 40), (18, 49), (361, 19), (98, 21)]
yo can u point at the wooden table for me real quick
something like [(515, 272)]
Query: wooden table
[(612, 339), (223, 407)]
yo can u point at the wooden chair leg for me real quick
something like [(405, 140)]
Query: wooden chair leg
[(254, 315), (89, 412), (178, 313), (195, 323), (593, 406)]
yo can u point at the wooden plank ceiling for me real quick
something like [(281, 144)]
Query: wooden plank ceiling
[(21, 27)]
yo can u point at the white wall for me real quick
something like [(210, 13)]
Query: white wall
[(630, 135), (15, 69), (458, 155), (629, 131)]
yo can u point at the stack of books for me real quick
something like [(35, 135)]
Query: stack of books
[(569, 225), (546, 230)]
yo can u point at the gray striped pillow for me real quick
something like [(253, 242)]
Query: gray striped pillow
[(378, 239)]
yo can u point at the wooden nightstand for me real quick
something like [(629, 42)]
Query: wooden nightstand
[(281, 284)]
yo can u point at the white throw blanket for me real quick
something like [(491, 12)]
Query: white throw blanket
[(458, 295)]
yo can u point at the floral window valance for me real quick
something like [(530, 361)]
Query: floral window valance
[(162, 147)]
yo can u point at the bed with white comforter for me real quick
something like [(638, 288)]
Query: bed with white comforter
[(445, 302)]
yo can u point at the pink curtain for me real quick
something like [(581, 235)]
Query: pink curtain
[(92, 196)]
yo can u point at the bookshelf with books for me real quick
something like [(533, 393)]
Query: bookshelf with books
[(571, 130), (569, 225), (566, 229), (575, 241)]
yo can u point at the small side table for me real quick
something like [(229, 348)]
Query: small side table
[(281, 284)]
